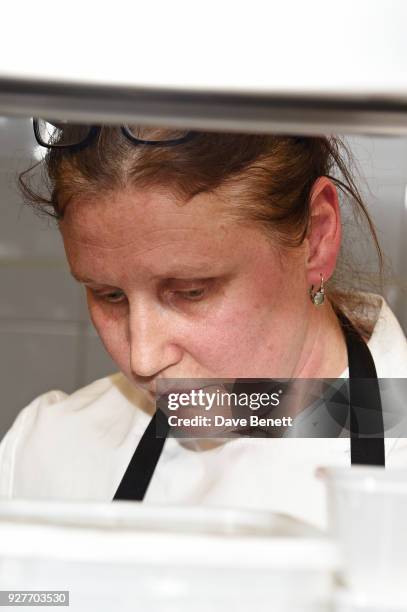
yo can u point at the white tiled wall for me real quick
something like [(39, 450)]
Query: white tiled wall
[(46, 340)]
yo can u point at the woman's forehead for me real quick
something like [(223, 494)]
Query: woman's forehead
[(123, 236), (116, 239), (117, 218)]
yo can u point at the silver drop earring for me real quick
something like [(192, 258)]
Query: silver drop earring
[(318, 297)]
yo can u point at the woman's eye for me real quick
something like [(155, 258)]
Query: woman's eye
[(113, 297), (116, 297), (193, 295)]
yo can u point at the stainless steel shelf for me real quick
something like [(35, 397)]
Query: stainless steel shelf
[(291, 114)]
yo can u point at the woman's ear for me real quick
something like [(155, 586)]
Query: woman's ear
[(324, 230)]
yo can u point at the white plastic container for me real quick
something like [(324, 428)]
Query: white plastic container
[(367, 510), (129, 556)]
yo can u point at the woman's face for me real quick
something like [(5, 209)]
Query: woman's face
[(185, 291)]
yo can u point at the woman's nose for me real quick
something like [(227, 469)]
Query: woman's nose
[(152, 345)]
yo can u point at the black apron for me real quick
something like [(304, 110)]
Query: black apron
[(364, 392)]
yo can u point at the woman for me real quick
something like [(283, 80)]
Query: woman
[(203, 255)]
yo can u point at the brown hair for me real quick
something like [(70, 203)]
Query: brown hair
[(270, 176)]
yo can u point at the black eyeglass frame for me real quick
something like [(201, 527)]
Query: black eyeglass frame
[(94, 131)]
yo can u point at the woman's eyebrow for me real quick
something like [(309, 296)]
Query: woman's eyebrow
[(181, 270), (187, 271), (81, 279)]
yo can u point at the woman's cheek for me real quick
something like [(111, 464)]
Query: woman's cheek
[(112, 330)]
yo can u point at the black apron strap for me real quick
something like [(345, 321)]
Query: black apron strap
[(142, 465), (366, 416)]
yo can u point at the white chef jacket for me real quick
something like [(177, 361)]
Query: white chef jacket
[(78, 446)]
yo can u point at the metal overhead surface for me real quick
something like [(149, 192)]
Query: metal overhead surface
[(292, 66)]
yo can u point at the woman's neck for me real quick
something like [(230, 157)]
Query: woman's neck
[(325, 354)]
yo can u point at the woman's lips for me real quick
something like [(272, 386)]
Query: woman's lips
[(179, 391), (167, 389)]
